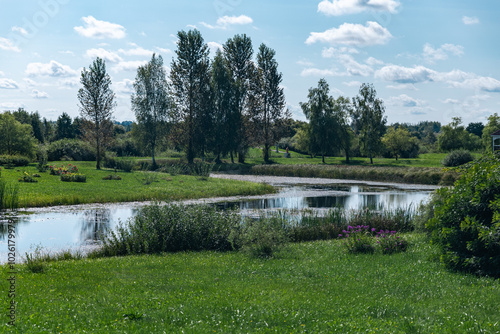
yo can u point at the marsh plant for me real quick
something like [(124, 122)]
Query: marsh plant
[(9, 195), (201, 170)]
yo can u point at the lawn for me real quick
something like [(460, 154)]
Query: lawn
[(311, 287), (50, 190)]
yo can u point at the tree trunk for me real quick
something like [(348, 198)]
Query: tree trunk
[(232, 157), (266, 153), (347, 156), (323, 158)]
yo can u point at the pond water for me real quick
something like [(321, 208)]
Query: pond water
[(78, 227)]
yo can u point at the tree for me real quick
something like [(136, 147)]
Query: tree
[(37, 126), (397, 141), (238, 52), (191, 87), (454, 136), (369, 113), (492, 126), (475, 128), (64, 127), (328, 128), (151, 102), (223, 104), (97, 102), (16, 138), (267, 99)]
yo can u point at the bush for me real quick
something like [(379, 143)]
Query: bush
[(73, 177), (358, 240), (28, 178), (70, 149), (9, 195), (466, 222), (172, 228), (262, 237), (14, 160), (457, 158), (126, 165), (391, 243)]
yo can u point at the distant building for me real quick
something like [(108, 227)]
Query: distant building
[(496, 140)]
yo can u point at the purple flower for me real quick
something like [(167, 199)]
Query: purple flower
[(340, 235), (373, 230)]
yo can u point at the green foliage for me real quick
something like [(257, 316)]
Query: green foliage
[(34, 261), (71, 149), (201, 169), (112, 177), (9, 195), (390, 243), (70, 177), (492, 126), (358, 240), (454, 136), (262, 237), (457, 158), (172, 228), (16, 138), (397, 141), (64, 127), (466, 222), (14, 160), (25, 177)]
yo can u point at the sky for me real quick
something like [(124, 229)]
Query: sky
[(428, 60)]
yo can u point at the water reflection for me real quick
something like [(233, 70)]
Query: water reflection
[(94, 224)]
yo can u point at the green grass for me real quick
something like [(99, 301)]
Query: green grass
[(50, 190), (311, 287)]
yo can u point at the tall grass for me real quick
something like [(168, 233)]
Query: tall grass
[(9, 195)]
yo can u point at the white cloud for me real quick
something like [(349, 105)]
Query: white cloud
[(353, 34), (11, 105), (8, 84), (163, 50), (125, 87), (100, 29), (431, 55), (353, 67), (214, 46), (316, 72), (486, 84), (468, 20), (341, 7), (405, 75), (373, 61), (402, 87), (1, 73), (20, 30), (69, 83), (334, 52), (138, 51), (352, 84), (225, 22), (451, 101), (404, 100), (52, 69), (7, 45), (305, 63), (104, 54), (67, 52), (39, 95), (128, 65)]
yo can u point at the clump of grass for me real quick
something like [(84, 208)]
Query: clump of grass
[(172, 228), (35, 261), (148, 178), (201, 170), (9, 195), (390, 243)]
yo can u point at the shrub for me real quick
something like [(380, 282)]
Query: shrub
[(14, 160), (70, 169), (358, 240), (28, 178), (126, 165), (390, 243), (261, 237), (201, 170), (466, 222), (72, 149), (457, 158), (70, 177), (172, 228)]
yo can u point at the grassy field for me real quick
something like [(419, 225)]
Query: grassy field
[(50, 190), (311, 287)]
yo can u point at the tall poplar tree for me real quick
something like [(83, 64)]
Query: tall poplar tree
[(267, 100), (238, 52), (97, 102), (369, 112), (151, 103), (191, 88)]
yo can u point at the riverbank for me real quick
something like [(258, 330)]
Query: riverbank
[(312, 286)]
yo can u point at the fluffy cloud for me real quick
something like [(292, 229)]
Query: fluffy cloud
[(227, 21), (405, 75), (214, 46), (468, 20), (404, 100), (20, 30), (353, 67), (486, 84), (128, 65), (334, 52), (7, 45), (52, 69), (104, 54), (316, 72), (100, 29), (8, 84), (341, 7), (431, 55), (39, 95), (125, 87), (353, 34), (138, 51)]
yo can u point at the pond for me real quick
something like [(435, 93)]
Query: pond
[(79, 227)]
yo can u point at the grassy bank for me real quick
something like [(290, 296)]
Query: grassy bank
[(49, 190), (311, 287), (422, 175)]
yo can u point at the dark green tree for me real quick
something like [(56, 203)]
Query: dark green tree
[(238, 52), (475, 128), (48, 130), (97, 102), (370, 120), (454, 136), (152, 103), (492, 126), (397, 141), (36, 124), (64, 127), (267, 100), (191, 87)]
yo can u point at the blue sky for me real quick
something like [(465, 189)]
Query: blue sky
[(428, 60)]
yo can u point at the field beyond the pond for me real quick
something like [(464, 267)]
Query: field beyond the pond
[(313, 287), (49, 190)]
